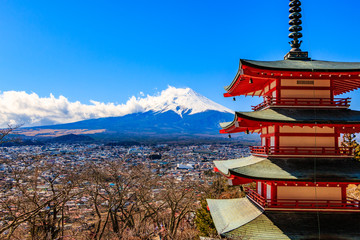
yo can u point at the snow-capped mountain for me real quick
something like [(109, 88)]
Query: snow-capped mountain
[(31, 110), (173, 113)]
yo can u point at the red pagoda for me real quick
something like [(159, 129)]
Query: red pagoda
[(301, 171)]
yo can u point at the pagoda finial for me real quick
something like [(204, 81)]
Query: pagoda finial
[(295, 25), (295, 34)]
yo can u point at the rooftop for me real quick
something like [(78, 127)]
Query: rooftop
[(304, 65), (294, 169), (271, 225), (253, 76), (300, 225), (292, 116)]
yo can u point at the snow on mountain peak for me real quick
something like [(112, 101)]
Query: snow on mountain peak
[(180, 100)]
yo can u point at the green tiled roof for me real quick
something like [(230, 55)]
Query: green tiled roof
[(298, 65), (229, 214), (304, 115), (285, 115), (297, 169), (299, 226), (260, 228), (225, 165), (225, 124)]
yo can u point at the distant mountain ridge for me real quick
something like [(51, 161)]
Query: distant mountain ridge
[(72, 138), (146, 125)]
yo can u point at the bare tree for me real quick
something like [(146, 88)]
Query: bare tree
[(29, 206), (180, 198)]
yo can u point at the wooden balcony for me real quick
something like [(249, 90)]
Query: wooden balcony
[(270, 204), (303, 103), (302, 151)]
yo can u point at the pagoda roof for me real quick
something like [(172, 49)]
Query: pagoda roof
[(294, 169), (278, 225), (304, 65), (228, 214), (286, 116), (345, 76)]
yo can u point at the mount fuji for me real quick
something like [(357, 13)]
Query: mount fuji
[(175, 113)]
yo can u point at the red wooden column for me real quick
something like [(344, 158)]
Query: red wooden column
[(263, 189), (343, 192), (273, 192), (278, 87), (331, 90), (276, 136)]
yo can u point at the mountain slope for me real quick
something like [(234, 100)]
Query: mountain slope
[(153, 124)]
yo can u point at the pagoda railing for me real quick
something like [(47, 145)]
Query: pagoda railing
[(337, 151), (256, 197), (303, 102), (349, 203)]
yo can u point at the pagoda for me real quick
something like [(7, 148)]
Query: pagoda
[(300, 173)]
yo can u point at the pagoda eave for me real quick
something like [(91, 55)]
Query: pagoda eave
[(239, 218), (311, 66), (346, 121), (247, 85), (253, 75), (241, 180), (255, 127), (253, 168)]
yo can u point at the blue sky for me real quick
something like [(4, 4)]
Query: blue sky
[(108, 51)]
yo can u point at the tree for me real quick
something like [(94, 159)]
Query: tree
[(180, 201), (218, 189), (27, 206), (204, 222), (349, 141), (4, 134), (122, 200)]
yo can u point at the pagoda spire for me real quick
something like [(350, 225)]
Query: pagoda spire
[(295, 25), (295, 32)]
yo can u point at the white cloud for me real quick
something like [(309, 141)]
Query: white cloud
[(32, 110)]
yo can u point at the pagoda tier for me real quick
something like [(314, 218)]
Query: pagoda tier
[(297, 132), (347, 120), (282, 79), (295, 184), (252, 168)]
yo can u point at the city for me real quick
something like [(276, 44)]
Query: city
[(67, 190)]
